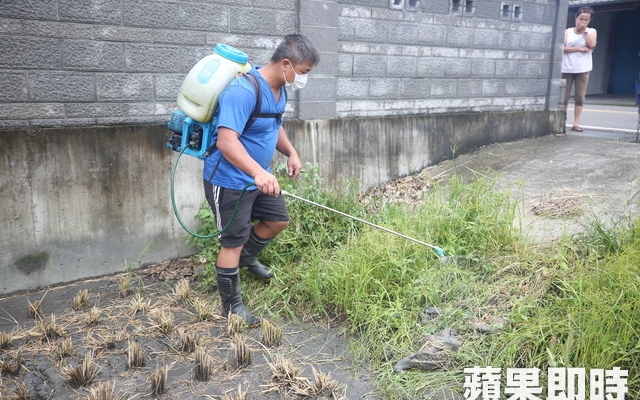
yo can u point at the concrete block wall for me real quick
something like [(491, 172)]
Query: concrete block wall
[(107, 62), (112, 62), (399, 57)]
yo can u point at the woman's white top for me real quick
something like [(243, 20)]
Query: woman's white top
[(578, 61)]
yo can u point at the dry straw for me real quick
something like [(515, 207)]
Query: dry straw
[(239, 395), (21, 392), (203, 365), (288, 381), (125, 286), (204, 310), (135, 355), (5, 339), (105, 391), (92, 317), (164, 320), (139, 304), (187, 340), (35, 309), (13, 366), (64, 348), (159, 381), (82, 374), (271, 334), (80, 299), (182, 291), (235, 324), (243, 354), (49, 330)]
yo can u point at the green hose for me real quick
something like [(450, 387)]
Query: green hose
[(175, 208)]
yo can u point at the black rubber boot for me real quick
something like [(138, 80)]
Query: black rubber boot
[(249, 256), (229, 288)]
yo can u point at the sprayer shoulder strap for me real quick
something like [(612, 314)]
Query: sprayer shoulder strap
[(255, 114)]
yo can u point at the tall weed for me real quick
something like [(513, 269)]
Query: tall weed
[(573, 303)]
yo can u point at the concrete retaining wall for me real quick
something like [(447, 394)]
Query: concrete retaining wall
[(80, 202)]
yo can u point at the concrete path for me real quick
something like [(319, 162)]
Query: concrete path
[(587, 176)]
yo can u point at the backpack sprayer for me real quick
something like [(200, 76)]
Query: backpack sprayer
[(192, 125)]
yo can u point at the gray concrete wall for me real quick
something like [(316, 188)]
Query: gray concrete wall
[(87, 86), (430, 58), (106, 62), (79, 202), (373, 150)]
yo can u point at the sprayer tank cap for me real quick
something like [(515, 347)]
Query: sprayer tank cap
[(231, 53)]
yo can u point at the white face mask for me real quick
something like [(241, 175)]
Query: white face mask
[(298, 81)]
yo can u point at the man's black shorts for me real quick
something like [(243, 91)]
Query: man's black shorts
[(254, 205)]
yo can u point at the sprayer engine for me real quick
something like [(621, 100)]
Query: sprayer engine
[(192, 124), (187, 134)]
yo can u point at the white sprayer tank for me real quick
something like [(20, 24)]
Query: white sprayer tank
[(201, 88)]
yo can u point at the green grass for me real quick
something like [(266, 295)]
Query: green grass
[(573, 303)]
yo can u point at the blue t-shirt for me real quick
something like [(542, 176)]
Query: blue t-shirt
[(234, 109)]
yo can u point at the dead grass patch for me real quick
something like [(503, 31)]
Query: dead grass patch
[(271, 335), (5, 339), (159, 381), (560, 204), (203, 365), (80, 299), (135, 355), (13, 366), (82, 374), (105, 391)]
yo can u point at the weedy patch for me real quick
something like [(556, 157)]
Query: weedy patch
[(105, 391), (80, 299), (135, 355), (271, 334), (82, 374), (203, 365), (159, 381)]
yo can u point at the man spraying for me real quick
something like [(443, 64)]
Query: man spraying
[(244, 156)]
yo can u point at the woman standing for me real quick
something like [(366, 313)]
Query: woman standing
[(577, 63)]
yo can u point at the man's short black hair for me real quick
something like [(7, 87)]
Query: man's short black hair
[(297, 48)]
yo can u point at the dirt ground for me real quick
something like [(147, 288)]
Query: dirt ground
[(164, 336)]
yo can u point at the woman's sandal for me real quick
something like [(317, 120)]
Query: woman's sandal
[(577, 129)]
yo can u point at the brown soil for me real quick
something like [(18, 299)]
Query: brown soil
[(50, 332)]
